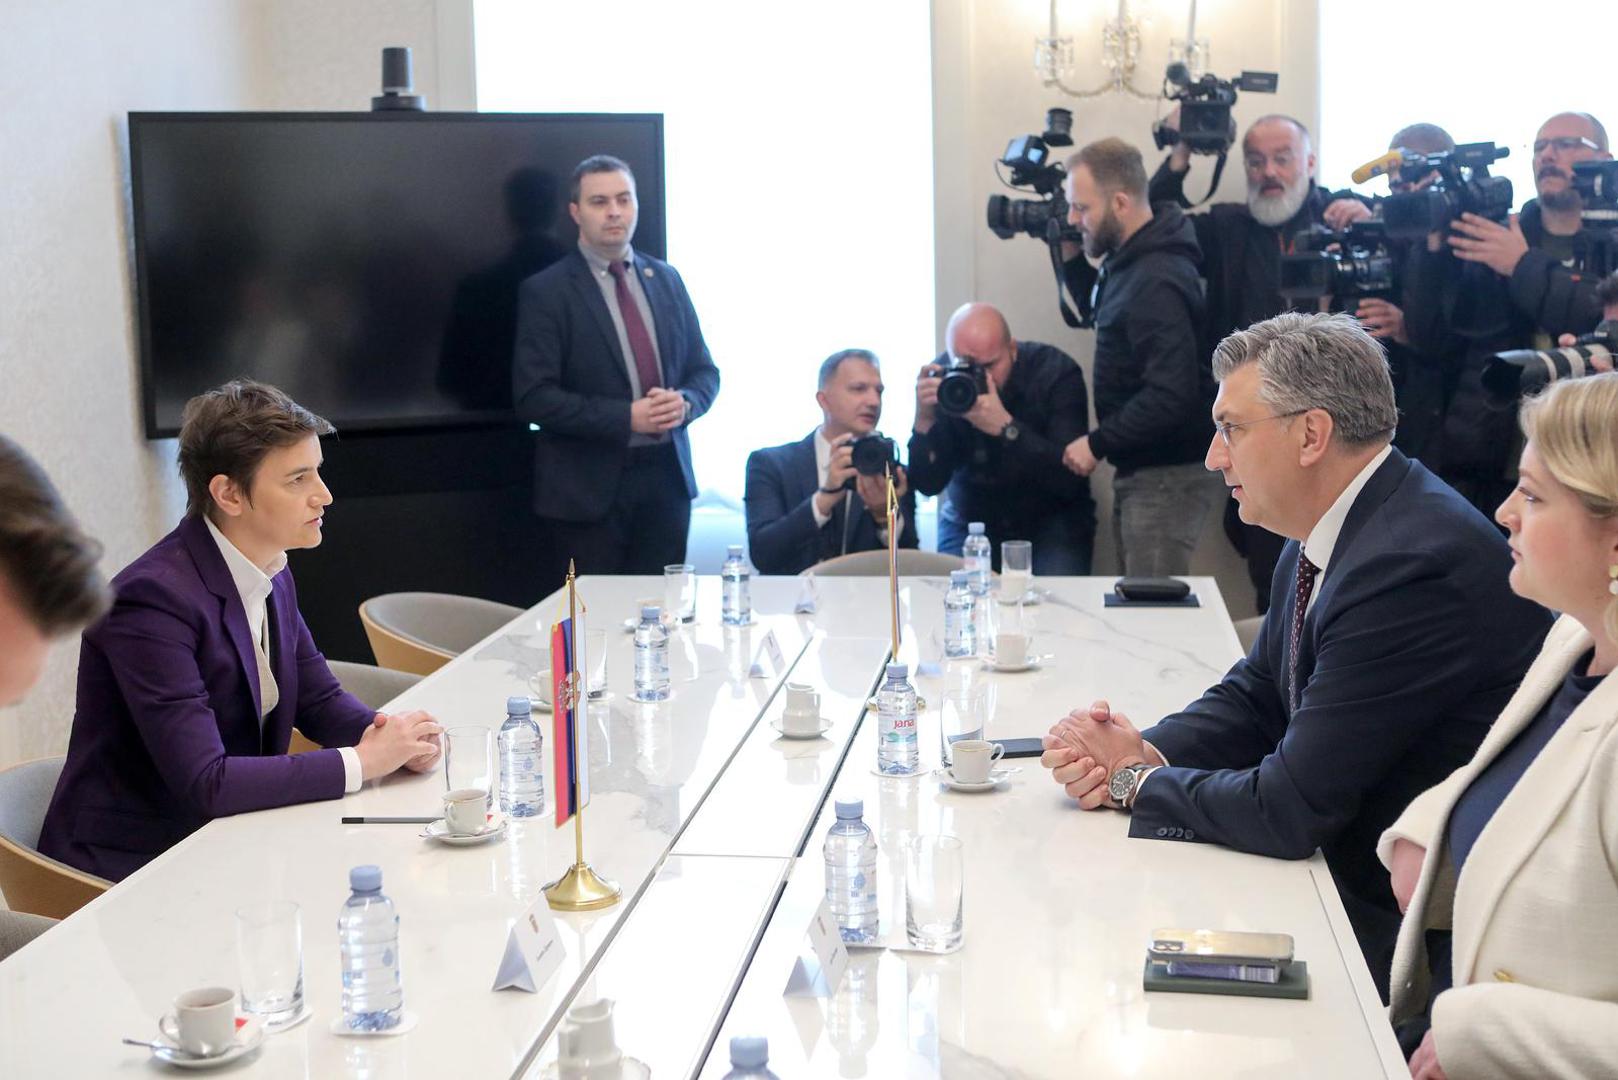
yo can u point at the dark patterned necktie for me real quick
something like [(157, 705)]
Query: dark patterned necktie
[(640, 342), (1300, 608)]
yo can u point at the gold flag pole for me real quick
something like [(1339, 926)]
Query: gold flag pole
[(893, 580), (581, 888)]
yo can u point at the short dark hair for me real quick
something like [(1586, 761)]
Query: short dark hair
[(230, 430), (596, 163), (829, 366), (47, 561), (1423, 138), (1115, 166), (1607, 290)]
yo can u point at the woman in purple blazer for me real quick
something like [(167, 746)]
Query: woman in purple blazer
[(189, 689)]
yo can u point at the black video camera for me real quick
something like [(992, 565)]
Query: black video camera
[(873, 454), (1525, 372), (1028, 158), (1206, 126), (1597, 246), (960, 385), (1463, 186), (1352, 263)]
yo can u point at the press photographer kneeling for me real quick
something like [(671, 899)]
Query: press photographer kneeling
[(826, 494)]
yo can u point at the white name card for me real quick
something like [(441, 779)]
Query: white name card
[(819, 972), (534, 950), (771, 662)]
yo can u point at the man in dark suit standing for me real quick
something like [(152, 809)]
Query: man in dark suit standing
[(610, 363), (1391, 643), (806, 502)]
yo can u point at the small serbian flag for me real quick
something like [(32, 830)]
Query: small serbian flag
[(569, 737)]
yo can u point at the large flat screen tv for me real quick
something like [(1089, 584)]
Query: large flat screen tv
[(367, 264)]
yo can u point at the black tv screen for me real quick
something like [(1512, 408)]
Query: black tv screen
[(367, 264)]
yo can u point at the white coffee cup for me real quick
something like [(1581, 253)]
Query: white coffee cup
[(1010, 650), (802, 716), (973, 758), (203, 1022), (539, 683), (465, 810)]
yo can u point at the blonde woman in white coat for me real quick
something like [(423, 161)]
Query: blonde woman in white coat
[(1516, 853)]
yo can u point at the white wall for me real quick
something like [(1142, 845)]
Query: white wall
[(69, 72), (985, 92)]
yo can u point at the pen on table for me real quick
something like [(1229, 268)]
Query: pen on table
[(389, 820)]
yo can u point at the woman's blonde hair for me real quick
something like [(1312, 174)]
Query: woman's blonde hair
[(1574, 426)]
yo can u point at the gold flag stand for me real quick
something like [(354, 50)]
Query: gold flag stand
[(893, 584), (581, 888)]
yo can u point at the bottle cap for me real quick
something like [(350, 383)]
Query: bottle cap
[(974, 528), (850, 809), (365, 879), (518, 706), (898, 671), (735, 551), (749, 1052), (651, 613), (959, 577)]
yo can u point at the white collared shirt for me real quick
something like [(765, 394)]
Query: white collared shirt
[(1322, 539), (253, 585)]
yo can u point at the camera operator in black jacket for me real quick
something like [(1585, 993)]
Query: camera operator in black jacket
[(1485, 287), (1153, 385), (991, 438), (1242, 244)]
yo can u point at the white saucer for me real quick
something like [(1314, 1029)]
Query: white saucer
[(1030, 664), (628, 1069), (823, 727), (538, 704), (248, 1038), (1029, 599), (946, 778), (439, 830)]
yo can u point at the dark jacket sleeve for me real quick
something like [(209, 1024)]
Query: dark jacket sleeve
[(1387, 665), (1557, 299), (150, 641), (544, 334), (1168, 186), (1035, 457), (1163, 336), (776, 533), (908, 536), (699, 379), (932, 458), (1429, 278)]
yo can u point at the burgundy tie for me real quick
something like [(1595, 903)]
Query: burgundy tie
[(1300, 608), (640, 342)]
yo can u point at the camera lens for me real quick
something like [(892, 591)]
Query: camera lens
[(958, 390), (872, 453)]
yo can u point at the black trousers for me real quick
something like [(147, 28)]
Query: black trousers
[(643, 531)]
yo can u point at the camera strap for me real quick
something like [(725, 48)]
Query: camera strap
[(1219, 171), (1085, 318)]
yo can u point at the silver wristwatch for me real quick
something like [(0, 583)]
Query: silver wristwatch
[(1124, 782), (1010, 431)]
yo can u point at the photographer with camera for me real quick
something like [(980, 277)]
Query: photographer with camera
[(993, 416), (826, 494), (1153, 387), (1488, 282), (1242, 244)]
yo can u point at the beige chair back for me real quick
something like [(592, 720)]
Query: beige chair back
[(420, 632), (912, 563), (30, 881)]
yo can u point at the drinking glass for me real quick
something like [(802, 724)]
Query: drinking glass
[(469, 760), (595, 646), (934, 872), (963, 714), (269, 950), (1016, 570), (680, 591)]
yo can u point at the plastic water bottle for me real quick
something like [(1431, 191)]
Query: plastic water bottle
[(978, 557), (897, 750), (522, 770), (851, 873), (368, 939), (960, 631), (651, 656), (737, 578), (749, 1058)]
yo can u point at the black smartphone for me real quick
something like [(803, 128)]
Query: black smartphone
[(1158, 589), (1021, 747)]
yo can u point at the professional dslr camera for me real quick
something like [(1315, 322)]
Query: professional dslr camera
[(960, 385), (1206, 126), (1352, 263), (1463, 186), (873, 454), (1524, 372), (1597, 185)]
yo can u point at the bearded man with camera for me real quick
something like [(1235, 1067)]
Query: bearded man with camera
[(826, 494), (993, 416)]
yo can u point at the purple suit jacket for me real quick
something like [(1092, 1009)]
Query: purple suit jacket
[(166, 731)]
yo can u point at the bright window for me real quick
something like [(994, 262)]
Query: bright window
[(799, 181), (1481, 72)]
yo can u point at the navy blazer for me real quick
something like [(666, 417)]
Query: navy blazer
[(1414, 644), (569, 377), (166, 729), (782, 536)]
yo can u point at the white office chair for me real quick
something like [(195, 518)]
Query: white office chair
[(912, 563), (33, 882), (420, 632)]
